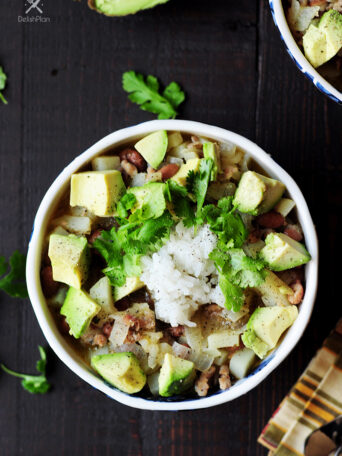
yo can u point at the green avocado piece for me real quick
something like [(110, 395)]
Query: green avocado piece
[(257, 194), (132, 284), (122, 7), (191, 165), (79, 309), (265, 327), (150, 199), (121, 370), (322, 41), (210, 152), (98, 191), (153, 147), (176, 376), (281, 252), (253, 342), (70, 258)]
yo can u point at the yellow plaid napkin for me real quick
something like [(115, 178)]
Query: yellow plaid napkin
[(315, 399)]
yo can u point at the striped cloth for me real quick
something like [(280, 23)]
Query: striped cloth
[(314, 400)]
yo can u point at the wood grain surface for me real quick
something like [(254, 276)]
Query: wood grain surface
[(64, 94)]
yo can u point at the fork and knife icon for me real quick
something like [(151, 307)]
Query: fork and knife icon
[(34, 5)]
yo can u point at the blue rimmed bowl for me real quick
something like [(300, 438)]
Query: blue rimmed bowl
[(70, 357), (297, 55)]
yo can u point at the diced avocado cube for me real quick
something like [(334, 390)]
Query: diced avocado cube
[(175, 139), (190, 165), (79, 309), (122, 7), (121, 370), (132, 284), (273, 291), (177, 375), (69, 257), (253, 342), (210, 151), (150, 198), (265, 327), (284, 206), (98, 191), (315, 46), (257, 194), (102, 293), (323, 41), (105, 163), (153, 147), (222, 339), (241, 363), (281, 252)]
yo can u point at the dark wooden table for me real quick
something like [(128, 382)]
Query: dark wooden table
[(64, 94)]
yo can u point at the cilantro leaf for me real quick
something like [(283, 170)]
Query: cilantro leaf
[(234, 297), (33, 383), (125, 204), (3, 79), (174, 94), (237, 271), (123, 247), (226, 223), (14, 283), (197, 182), (181, 203), (146, 94), (243, 270)]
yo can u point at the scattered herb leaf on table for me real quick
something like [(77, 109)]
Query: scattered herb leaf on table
[(14, 283), (3, 79), (145, 93), (35, 384)]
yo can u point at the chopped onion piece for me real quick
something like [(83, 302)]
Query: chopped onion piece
[(119, 332), (193, 337), (153, 383), (181, 351), (201, 360)]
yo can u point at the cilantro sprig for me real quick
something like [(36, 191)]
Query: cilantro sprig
[(197, 183), (145, 93), (237, 271), (14, 283), (123, 247), (33, 383), (3, 79)]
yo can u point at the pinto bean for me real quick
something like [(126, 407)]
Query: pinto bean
[(294, 232), (50, 287), (271, 219), (169, 170), (298, 295), (137, 160)]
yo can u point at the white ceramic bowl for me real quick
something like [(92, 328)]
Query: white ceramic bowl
[(47, 323), (297, 55)]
